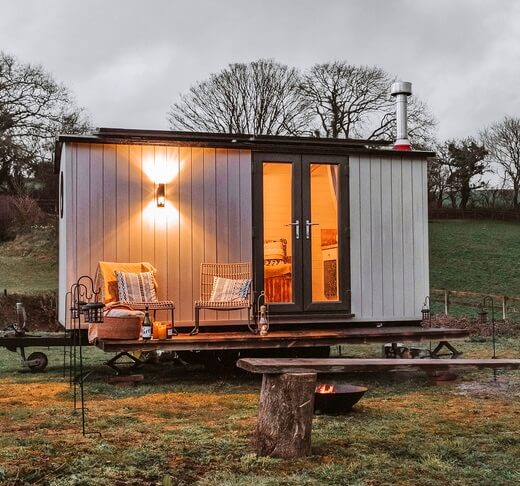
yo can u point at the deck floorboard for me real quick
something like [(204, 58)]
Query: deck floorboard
[(286, 339)]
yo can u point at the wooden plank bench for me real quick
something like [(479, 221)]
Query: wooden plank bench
[(288, 388)]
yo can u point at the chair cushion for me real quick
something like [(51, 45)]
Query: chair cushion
[(136, 287), (107, 281), (229, 290)]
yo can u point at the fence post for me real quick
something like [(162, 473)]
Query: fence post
[(504, 307), (446, 302)]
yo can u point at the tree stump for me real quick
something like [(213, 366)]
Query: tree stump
[(285, 415)]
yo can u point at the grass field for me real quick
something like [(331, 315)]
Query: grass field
[(475, 256), (479, 256), (28, 265), (185, 426), (192, 427)]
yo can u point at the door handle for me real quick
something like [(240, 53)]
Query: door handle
[(296, 225), (308, 225)]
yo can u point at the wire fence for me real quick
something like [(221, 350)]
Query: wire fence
[(459, 303)]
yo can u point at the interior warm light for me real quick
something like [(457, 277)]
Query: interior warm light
[(161, 198)]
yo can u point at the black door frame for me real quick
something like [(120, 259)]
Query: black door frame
[(258, 228), (301, 284), (343, 303)]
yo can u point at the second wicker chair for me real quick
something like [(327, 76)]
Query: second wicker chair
[(208, 271)]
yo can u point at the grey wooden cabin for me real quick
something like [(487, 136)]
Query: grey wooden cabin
[(335, 230)]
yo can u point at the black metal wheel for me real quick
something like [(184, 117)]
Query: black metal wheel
[(37, 361)]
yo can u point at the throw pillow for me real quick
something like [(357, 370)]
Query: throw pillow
[(136, 287), (228, 289)]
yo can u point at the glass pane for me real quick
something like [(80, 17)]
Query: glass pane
[(324, 232), (277, 197)]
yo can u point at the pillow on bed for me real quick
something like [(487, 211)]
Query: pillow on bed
[(136, 287), (228, 289), (273, 250)]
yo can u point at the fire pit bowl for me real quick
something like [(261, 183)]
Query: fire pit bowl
[(336, 399)]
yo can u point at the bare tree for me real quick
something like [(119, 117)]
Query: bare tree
[(502, 140), (260, 97), (34, 108), (354, 101)]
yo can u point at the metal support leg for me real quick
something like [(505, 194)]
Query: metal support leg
[(174, 331), (453, 354), (112, 363), (195, 330)]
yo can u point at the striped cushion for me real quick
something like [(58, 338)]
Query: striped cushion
[(228, 290), (136, 287)]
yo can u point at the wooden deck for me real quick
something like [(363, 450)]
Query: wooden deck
[(286, 339)]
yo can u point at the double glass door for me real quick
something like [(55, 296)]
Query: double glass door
[(301, 231)]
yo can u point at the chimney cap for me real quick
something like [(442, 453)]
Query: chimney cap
[(401, 87)]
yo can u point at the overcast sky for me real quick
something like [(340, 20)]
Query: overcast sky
[(127, 60)]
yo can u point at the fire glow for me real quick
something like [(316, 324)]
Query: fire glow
[(325, 388)]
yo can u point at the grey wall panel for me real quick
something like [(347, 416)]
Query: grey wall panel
[(111, 214), (245, 211), (173, 226), (408, 237), (387, 238), (96, 206), (355, 232), (160, 228), (122, 203), (389, 257), (64, 269), (210, 216), (186, 235), (376, 237), (397, 236), (365, 234), (197, 217), (135, 201), (110, 223), (149, 210)]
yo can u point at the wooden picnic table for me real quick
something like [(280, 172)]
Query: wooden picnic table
[(288, 389)]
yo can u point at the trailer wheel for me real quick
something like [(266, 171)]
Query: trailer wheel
[(37, 361)]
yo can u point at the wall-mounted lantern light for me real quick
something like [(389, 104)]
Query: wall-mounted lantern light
[(160, 195)]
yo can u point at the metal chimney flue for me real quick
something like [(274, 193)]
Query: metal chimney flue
[(401, 90)]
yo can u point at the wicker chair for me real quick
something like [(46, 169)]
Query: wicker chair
[(226, 270), (107, 282)]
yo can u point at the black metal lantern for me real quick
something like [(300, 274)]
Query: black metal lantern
[(482, 314), (93, 312), (426, 311), (77, 310)]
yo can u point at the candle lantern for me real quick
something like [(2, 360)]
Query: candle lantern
[(426, 311), (263, 315), (482, 314), (93, 312)]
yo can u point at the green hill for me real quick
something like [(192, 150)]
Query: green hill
[(478, 256)]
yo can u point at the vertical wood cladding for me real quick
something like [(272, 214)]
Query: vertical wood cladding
[(389, 236), (110, 214)]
